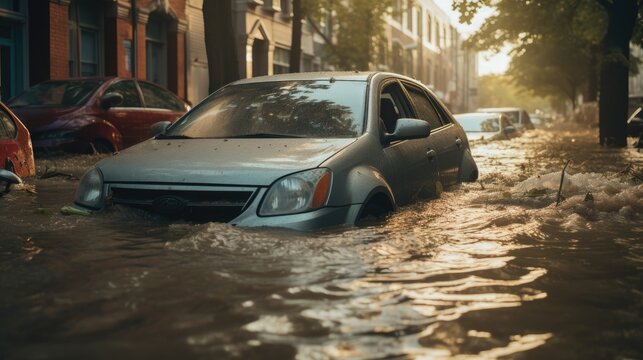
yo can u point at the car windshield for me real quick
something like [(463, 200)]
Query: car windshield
[(57, 94), (312, 109), (475, 123)]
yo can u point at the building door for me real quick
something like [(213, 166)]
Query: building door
[(259, 57)]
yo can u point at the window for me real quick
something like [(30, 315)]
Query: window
[(281, 61), (85, 24), (8, 129), (128, 89), (159, 98), (156, 50), (313, 109), (410, 66), (397, 11), (423, 106), (409, 15), (13, 5), (429, 28), (286, 9), (398, 58), (393, 106)]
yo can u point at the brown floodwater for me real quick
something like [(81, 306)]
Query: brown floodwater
[(490, 269)]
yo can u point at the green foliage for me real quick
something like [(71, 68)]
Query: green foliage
[(359, 29), (500, 91)]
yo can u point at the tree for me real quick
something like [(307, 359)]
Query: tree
[(220, 43), (295, 44), (589, 31), (500, 90), (547, 71), (360, 29), (302, 10), (613, 87)]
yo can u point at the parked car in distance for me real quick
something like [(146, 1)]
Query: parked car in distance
[(518, 116), (16, 153), (94, 114), (300, 151), (487, 126)]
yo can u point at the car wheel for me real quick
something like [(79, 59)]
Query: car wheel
[(100, 147), (377, 207)]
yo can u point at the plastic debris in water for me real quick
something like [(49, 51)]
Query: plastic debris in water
[(72, 210)]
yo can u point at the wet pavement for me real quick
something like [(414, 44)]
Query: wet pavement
[(488, 270)]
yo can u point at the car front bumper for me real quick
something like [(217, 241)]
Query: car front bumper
[(232, 204)]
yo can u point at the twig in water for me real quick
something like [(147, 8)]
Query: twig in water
[(559, 198)]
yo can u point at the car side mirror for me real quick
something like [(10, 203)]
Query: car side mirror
[(159, 128), (408, 129), (111, 99), (8, 178)]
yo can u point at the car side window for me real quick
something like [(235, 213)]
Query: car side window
[(393, 106), (423, 106), (8, 129), (157, 97), (128, 89)]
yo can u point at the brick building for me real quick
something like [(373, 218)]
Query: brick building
[(55, 39), (163, 41)]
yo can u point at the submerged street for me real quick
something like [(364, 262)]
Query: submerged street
[(489, 269)]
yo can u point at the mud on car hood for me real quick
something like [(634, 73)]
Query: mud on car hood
[(251, 162)]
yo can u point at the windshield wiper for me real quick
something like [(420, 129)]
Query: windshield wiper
[(165, 136), (265, 136)]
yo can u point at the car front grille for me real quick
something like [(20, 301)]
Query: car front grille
[(220, 205)]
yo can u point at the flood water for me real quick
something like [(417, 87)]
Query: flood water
[(491, 269)]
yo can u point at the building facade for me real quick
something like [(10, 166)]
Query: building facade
[(423, 43), (56, 39), (163, 41)]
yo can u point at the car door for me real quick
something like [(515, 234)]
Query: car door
[(446, 139), (130, 117), (161, 103), (411, 168)]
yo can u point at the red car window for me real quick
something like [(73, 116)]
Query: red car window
[(8, 129)]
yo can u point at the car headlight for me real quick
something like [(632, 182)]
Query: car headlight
[(90, 190), (297, 193)]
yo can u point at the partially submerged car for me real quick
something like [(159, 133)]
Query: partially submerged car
[(16, 153), (519, 117), (487, 126), (94, 114), (300, 151)]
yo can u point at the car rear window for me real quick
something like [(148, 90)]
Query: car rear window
[(314, 109), (476, 123), (57, 93)]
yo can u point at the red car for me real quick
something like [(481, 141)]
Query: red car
[(16, 154), (94, 114)]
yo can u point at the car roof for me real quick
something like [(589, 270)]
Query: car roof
[(478, 114), (312, 76), (500, 109)]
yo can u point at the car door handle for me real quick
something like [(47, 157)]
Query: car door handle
[(430, 154), (458, 142)]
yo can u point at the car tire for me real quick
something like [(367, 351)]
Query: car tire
[(100, 146), (377, 207)]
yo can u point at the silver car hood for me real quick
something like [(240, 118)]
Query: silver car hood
[(253, 162)]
